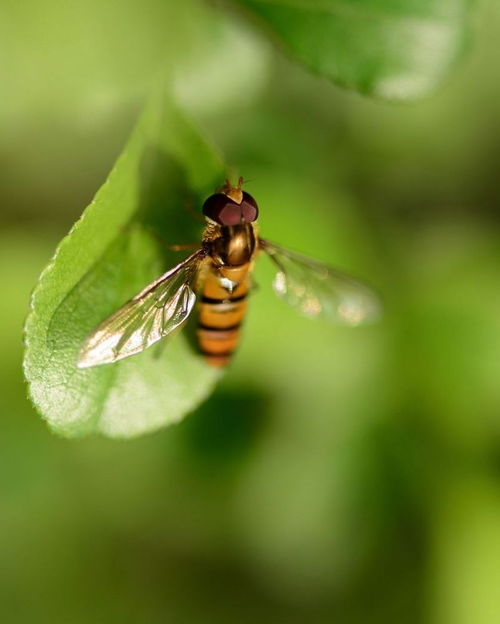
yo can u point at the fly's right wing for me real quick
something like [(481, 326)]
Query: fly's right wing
[(321, 291), (149, 316)]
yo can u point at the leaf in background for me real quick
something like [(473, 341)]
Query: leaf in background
[(109, 256), (391, 49)]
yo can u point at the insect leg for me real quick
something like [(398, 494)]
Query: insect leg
[(184, 247)]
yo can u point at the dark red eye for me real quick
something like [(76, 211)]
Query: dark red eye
[(249, 209), (224, 211)]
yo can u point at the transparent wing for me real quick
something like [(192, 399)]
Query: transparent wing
[(152, 314), (320, 291)]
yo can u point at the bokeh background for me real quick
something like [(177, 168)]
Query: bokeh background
[(335, 475)]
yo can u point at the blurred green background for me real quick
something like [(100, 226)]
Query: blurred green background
[(335, 475)]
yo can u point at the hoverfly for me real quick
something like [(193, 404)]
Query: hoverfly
[(219, 274)]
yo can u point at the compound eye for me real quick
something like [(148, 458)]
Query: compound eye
[(221, 209), (249, 208)]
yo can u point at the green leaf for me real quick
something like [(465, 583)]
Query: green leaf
[(110, 254), (391, 49)]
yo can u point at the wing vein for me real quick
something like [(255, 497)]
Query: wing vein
[(146, 318)]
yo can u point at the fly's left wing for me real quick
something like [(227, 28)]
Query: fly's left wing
[(151, 315), (320, 291)]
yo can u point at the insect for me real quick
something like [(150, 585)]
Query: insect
[(219, 275)]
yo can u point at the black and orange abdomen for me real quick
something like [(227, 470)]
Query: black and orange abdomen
[(222, 312)]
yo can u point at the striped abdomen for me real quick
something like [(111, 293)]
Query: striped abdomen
[(222, 312)]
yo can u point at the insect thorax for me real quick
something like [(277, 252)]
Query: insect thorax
[(230, 245)]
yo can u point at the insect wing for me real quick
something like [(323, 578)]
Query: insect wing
[(320, 291), (151, 315)]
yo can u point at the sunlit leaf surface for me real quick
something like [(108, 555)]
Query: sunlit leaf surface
[(392, 49), (111, 254)]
